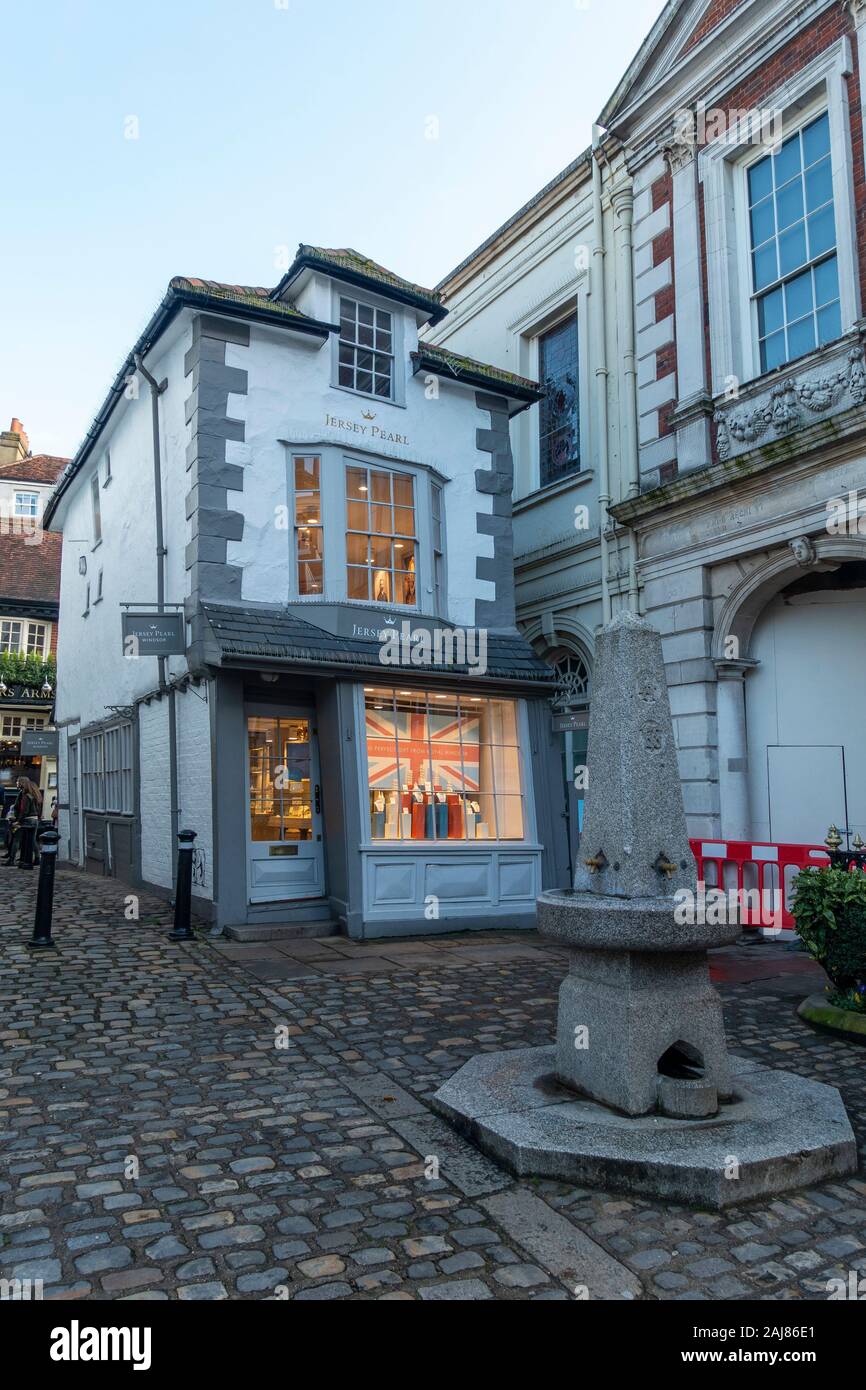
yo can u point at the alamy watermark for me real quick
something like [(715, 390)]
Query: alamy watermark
[(435, 646)]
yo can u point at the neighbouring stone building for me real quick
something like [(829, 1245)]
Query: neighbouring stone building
[(29, 608), (726, 260), (344, 711)]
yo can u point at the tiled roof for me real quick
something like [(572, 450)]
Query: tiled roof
[(281, 635), (244, 296), (346, 258), (35, 468), (29, 571), (455, 364)]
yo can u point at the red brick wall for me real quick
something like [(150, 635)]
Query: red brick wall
[(719, 10)]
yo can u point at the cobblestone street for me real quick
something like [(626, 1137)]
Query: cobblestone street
[(158, 1141)]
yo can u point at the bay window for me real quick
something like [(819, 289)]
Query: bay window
[(442, 767)]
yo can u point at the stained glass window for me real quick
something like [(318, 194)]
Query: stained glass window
[(559, 418)]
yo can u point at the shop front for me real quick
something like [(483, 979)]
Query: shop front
[(390, 805)]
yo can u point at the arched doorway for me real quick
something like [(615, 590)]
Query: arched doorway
[(804, 708)]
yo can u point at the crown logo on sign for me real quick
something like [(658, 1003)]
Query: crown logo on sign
[(390, 622), (368, 415)]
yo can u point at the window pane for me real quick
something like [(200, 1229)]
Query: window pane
[(789, 204), (357, 550), (819, 185), (801, 337), (829, 323), (381, 486), (380, 552), (509, 813), (404, 521), (792, 248), (760, 180), (381, 519), (764, 266), (822, 231), (356, 482), (310, 577), (798, 296), (787, 162), (358, 582), (816, 139), (773, 352), (763, 222), (771, 315), (307, 474), (403, 494), (357, 516), (826, 281)]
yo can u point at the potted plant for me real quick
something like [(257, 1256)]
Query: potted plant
[(829, 907)]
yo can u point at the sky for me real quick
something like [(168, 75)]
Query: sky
[(209, 137)]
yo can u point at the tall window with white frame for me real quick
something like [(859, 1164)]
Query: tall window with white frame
[(366, 349), (381, 539), (438, 544), (559, 411), (309, 546), (792, 230)]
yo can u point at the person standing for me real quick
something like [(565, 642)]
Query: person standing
[(27, 805)]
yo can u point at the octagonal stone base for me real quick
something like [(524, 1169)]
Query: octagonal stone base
[(779, 1132)]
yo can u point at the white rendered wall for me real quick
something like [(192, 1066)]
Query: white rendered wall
[(195, 800), (289, 398), (156, 837)]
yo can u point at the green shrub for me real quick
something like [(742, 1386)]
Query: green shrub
[(16, 669), (829, 907)]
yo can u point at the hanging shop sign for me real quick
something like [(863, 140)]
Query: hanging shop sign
[(153, 634), (39, 743)]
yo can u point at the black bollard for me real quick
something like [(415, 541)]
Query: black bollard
[(182, 930), (48, 842), (28, 840)]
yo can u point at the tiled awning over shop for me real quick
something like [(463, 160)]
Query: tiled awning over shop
[(242, 636)]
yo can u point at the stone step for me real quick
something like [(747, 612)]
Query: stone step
[(301, 910), (281, 931)]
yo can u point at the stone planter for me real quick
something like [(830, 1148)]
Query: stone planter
[(846, 1023)]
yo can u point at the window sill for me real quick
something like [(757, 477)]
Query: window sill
[(368, 396), (533, 499), (462, 846)]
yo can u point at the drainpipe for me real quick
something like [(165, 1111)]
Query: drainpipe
[(156, 390), (623, 203), (599, 321)]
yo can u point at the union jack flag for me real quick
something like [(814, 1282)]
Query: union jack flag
[(389, 735)]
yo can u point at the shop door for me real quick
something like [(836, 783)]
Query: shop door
[(285, 853)]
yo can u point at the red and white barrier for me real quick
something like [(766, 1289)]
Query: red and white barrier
[(762, 875)]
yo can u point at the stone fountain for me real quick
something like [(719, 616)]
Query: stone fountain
[(639, 1090)]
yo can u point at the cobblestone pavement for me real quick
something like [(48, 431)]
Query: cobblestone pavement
[(211, 1121)]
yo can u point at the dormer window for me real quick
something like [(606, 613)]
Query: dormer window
[(366, 350)]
